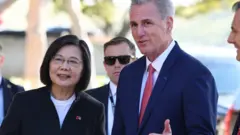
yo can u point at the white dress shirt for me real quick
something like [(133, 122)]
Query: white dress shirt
[(110, 119), (1, 103), (157, 65)]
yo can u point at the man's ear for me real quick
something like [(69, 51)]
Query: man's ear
[(169, 23), (2, 58)]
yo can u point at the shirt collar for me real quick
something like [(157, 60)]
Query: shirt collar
[(113, 88), (158, 62), (1, 85)]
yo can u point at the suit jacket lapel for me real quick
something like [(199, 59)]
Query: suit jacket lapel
[(136, 90), (50, 117), (80, 102), (160, 82), (104, 97), (105, 94), (7, 95)]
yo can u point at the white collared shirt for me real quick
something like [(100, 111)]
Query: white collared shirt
[(110, 119), (1, 103), (157, 65)]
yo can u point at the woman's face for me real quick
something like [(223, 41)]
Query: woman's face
[(66, 67)]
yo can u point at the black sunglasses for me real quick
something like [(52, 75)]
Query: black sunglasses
[(111, 60)]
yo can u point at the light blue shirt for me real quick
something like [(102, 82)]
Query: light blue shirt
[(1, 103)]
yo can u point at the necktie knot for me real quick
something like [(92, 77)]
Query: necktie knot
[(151, 69)]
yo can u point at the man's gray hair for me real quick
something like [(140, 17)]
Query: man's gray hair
[(165, 7)]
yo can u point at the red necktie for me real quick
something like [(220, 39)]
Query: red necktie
[(238, 131), (147, 92)]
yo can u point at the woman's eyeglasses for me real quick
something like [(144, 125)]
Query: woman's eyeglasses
[(73, 62)]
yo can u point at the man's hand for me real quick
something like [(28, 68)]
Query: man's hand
[(167, 129)]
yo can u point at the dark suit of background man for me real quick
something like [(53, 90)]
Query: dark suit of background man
[(118, 52), (166, 83), (7, 90), (234, 38)]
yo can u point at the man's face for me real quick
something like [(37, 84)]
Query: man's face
[(234, 37), (149, 30), (116, 57)]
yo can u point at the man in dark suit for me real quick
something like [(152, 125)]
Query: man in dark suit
[(166, 91), (234, 38), (7, 90), (118, 52)]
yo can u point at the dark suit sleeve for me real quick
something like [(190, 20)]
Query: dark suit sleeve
[(118, 125), (11, 123), (200, 105), (90, 92), (101, 122)]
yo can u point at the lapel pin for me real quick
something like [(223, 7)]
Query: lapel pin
[(78, 118), (9, 86)]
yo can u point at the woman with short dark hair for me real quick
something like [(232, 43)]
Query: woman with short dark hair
[(59, 108)]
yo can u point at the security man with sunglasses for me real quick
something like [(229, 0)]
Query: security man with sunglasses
[(118, 52)]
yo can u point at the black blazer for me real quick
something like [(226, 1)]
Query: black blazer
[(101, 94), (33, 113), (9, 90)]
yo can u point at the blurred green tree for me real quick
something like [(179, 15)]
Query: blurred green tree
[(102, 9), (202, 7), (99, 10)]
